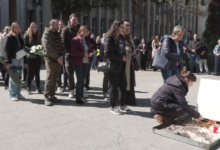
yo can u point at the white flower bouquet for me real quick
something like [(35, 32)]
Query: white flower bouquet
[(36, 50)]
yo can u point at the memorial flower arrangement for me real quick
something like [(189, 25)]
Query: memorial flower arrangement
[(36, 50)]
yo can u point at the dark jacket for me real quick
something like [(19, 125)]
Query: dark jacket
[(49, 45), (136, 42), (170, 51), (11, 48), (195, 45), (68, 33), (187, 53), (205, 56), (77, 50), (93, 44), (28, 46), (115, 51), (170, 99)]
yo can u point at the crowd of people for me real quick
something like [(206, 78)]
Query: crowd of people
[(72, 49)]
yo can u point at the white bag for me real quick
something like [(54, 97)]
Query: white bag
[(20, 54)]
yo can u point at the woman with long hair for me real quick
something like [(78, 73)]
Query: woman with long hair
[(142, 54), (81, 52), (169, 102), (32, 38), (129, 71), (114, 50), (14, 44), (156, 46)]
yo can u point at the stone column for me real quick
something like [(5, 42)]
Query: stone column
[(4, 13), (46, 13)]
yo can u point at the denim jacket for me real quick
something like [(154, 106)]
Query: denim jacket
[(215, 51)]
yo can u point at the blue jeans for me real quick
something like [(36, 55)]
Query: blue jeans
[(192, 59), (81, 72), (93, 65), (15, 91), (169, 73)]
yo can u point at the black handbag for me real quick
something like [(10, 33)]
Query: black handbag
[(109, 66), (160, 61), (135, 63)]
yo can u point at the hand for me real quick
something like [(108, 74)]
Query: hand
[(90, 54), (134, 52), (8, 66), (185, 49), (125, 58), (60, 60), (25, 65), (217, 55), (94, 51), (86, 55), (200, 117), (203, 52)]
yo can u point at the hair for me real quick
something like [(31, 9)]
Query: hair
[(178, 29), (12, 32), (189, 32), (52, 21), (7, 29), (62, 22), (127, 37), (114, 30), (82, 28), (188, 74), (73, 15), (31, 33), (97, 39)]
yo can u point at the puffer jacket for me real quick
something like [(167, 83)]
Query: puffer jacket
[(170, 99), (170, 51)]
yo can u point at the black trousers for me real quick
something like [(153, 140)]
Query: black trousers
[(105, 83), (70, 72), (88, 77), (65, 76), (24, 74), (33, 70), (117, 81), (5, 74)]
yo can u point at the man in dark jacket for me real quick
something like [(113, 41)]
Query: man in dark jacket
[(136, 42), (68, 33), (203, 58), (187, 53), (53, 54), (195, 50)]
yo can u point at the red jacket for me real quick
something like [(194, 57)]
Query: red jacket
[(77, 50)]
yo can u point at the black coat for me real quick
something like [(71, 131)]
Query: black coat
[(205, 56), (11, 48), (170, 51), (115, 51), (169, 100)]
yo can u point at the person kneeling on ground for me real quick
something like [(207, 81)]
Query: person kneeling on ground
[(169, 102)]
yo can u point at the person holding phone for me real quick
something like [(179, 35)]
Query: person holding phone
[(81, 52)]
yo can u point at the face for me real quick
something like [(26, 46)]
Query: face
[(84, 33), (55, 25), (143, 41), (157, 37), (189, 82), (74, 21), (34, 28), (17, 29), (93, 36), (126, 31), (121, 29), (195, 37), (178, 36), (189, 34), (135, 37), (61, 25), (99, 38)]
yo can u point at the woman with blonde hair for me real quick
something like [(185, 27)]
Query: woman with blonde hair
[(14, 44), (32, 38)]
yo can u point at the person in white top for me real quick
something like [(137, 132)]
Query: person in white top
[(3, 39)]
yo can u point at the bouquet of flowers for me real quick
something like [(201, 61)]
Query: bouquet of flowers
[(36, 50), (15, 74), (2, 60)]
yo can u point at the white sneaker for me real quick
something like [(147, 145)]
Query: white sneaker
[(33, 83), (106, 97), (124, 109), (59, 90), (115, 111), (71, 94), (14, 99), (85, 95)]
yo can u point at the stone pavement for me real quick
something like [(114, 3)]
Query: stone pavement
[(29, 125)]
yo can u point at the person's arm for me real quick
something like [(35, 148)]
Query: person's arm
[(74, 51), (8, 50), (215, 50), (108, 50), (167, 52), (180, 97), (47, 44), (64, 39)]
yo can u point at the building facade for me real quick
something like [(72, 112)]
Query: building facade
[(99, 20)]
